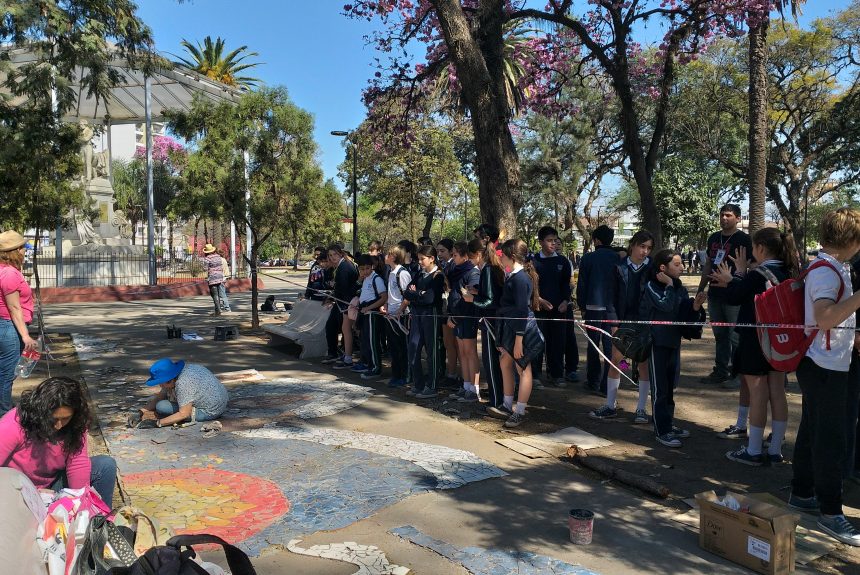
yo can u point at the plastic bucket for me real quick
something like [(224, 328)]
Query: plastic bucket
[(581, 523)]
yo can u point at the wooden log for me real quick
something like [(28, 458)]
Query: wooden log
[(645, 484)]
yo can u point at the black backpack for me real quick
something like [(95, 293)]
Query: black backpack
[(176, 557)]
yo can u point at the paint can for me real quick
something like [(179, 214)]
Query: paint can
[(581, 524)]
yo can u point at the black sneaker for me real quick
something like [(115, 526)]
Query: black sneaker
[(515, 420), (603, 412), (838, 527), (427, 393), (733, 432), (680, 433), (331, 358), (745, 457), (669, 440), (500, 412), (807, 504)]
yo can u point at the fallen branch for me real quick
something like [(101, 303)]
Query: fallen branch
[(645, 484)]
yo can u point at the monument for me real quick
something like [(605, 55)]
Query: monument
[(97, 252)]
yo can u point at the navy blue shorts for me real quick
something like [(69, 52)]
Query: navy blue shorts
[(466, 328)]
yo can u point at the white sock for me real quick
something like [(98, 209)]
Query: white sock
[(509, 402), (612, 390), (347, 358), (644, 389), (756, 435), (743, 413), (778, 428), (520, 408), (467, 385)]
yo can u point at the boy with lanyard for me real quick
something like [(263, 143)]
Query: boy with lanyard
[(828, 378), (720, 246)]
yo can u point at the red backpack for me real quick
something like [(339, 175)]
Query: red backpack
[(784, 304)]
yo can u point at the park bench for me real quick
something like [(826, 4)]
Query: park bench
[(305, 328)]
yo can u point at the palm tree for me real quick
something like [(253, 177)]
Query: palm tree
[(758, 136), (209, 60)]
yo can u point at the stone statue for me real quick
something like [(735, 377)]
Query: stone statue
[(84, 226), (87, 134), (122, 224), (101, 166)]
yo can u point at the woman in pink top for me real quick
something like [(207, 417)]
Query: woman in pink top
[(45, 438), (16, 311)]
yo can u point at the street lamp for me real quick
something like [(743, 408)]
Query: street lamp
[(350, 138)]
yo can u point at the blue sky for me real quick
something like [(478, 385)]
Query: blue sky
[(305, 45)]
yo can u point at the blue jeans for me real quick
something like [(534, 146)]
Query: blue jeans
[(165, 408), (102, 478), (222, 295), (727, 337), (11, 347)]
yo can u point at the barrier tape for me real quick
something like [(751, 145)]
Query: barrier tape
[(616, 322)]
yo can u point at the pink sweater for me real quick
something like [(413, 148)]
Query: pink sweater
[(41, 462)]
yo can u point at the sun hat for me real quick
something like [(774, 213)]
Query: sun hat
[(11, 240), (164, 370), (208, 249)]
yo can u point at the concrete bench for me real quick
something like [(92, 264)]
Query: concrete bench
[(305, 328)]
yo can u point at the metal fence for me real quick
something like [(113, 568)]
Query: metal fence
[(112, 267)]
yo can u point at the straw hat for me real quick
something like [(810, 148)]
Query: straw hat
[(11, 240), (208, 249)]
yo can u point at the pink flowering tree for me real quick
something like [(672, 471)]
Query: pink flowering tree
[(469, 42)]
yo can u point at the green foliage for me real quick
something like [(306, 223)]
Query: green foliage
[(209, 59), (39, 153)]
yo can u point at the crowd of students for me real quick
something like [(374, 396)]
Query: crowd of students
[(426, 304)]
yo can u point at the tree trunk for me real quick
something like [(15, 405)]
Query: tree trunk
[(429, 213), (255, 294), (196, 234), (479, 60), (758, 130)]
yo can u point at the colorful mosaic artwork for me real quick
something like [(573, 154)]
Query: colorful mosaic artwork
[(233, 506), (369, 559)]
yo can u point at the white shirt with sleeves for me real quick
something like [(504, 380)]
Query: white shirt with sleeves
[(820, 284)]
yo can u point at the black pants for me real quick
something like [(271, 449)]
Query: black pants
[(490, 363), (397, 347), (213, 293), (371, 336), (424, 333), (571, 347), (820, 451), (332, 329), (554, 336), (663, 366), (595, 370)]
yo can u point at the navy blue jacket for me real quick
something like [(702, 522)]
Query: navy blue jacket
[(427, 297), (465, 275), (345, 280), (596, 283), (554, 277), (625, 303), (516, 301), (669, 303)]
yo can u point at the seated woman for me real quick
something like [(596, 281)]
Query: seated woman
[(45, 438), (189, 392)]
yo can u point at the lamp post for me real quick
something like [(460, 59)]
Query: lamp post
[(350, 138)]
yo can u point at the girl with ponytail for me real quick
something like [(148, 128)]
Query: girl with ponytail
[(776, 261), (520, 341)]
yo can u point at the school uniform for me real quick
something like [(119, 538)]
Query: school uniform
[(518, 318), (425, 304), (398, 280), (344, 278), (594, 292), (667, 303), (486, 303), (465, 275), (748, 358), (828, 377), (371, 324), (554, 273)]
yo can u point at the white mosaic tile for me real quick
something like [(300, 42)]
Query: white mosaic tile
[(452, 467), (326, 397), (369, 559), (88, 347)]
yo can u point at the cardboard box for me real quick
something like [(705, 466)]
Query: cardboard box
[(760, 536)]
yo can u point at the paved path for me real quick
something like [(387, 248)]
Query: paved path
[(385, 484)]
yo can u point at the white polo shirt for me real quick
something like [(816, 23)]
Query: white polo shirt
[(823, 283), (399, 275)]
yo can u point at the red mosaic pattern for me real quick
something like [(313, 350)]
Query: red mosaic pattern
[(233, 506)]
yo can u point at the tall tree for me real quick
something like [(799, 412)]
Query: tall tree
[(210, 60), (278, 139)]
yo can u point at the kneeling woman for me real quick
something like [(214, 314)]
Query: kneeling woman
[(45, 438)]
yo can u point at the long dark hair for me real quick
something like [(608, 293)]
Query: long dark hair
[(781, 245), (36, 413), (516, 250)]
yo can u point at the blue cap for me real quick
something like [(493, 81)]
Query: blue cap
[(163, 371)]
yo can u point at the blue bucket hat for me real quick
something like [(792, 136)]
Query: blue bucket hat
[(163, 371)]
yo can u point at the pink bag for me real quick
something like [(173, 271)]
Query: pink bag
[(76, 500)]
